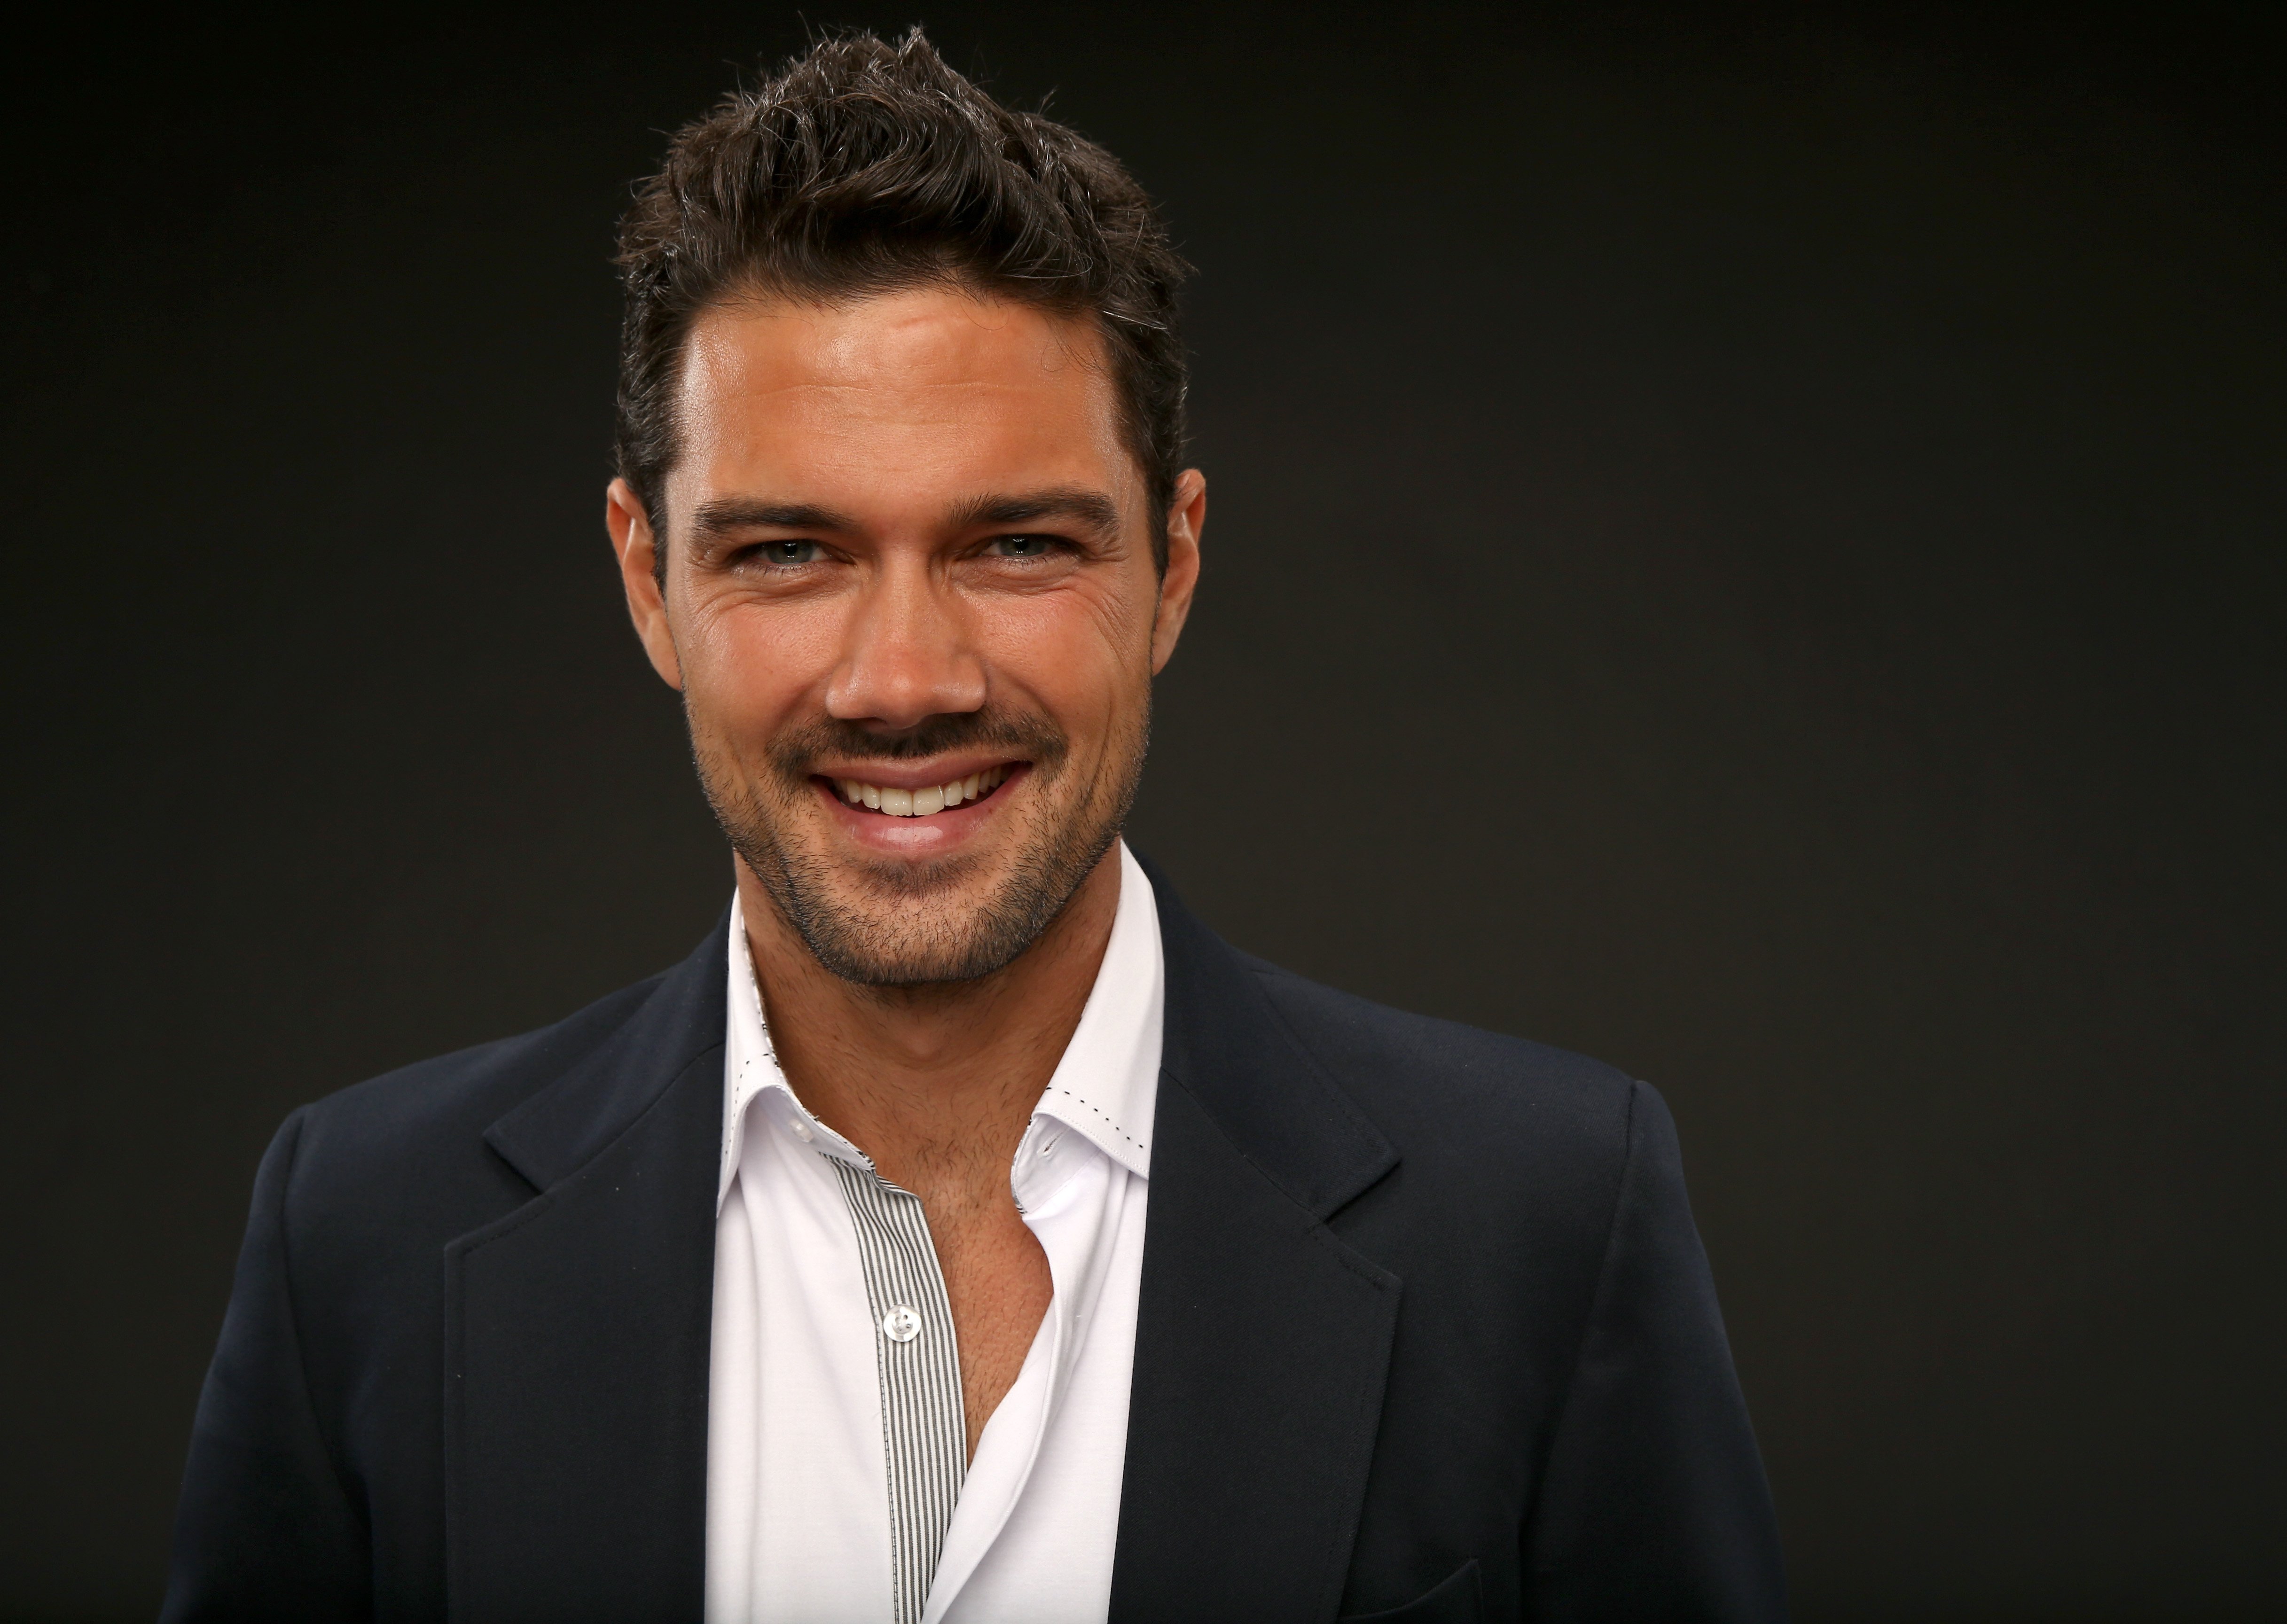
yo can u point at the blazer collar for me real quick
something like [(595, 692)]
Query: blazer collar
[(1222, 1041), (1243, 1063), (1262, 1338), (577, 1332), (562, 1127)]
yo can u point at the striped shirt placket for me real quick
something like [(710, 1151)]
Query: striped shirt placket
[(924, 1434)]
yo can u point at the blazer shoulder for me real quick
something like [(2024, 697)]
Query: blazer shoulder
[(1428, 1081)]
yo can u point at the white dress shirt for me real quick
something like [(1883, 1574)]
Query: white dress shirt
[(824, 1503)]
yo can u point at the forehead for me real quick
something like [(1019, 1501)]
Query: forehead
[(890, 405)]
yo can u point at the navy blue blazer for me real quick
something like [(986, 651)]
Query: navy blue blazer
[(1427, 1333)]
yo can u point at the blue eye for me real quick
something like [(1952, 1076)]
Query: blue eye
[(783, 553)]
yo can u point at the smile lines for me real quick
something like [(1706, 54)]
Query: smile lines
[(921, 803)]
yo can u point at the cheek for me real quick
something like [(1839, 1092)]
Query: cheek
[(1081, 656), (755, 667)]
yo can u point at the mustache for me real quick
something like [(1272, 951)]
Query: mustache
[(1019, 735)]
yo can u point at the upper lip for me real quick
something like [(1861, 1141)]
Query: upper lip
[(916, 775)]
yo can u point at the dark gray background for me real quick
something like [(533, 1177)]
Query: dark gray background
[(1747, 543)]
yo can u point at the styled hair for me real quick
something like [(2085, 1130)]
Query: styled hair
[(867, 167)]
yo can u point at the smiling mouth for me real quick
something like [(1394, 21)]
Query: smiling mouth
[(937, 797)]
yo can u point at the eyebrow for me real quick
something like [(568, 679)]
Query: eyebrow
[(727, 515), (1091, 508)]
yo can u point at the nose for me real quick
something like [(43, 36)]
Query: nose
[(906, 654)]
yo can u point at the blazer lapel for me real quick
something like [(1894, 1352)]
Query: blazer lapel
[(1263, 1340), (577, 1332)]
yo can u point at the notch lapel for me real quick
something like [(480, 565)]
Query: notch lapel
[(577, 1332), (1263, 1340)]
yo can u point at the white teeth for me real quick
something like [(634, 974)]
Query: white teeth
[(921, 803)]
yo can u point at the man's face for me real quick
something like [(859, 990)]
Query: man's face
[(911, 606)]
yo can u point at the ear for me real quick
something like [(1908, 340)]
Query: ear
[(639, 574), (1187, 516)]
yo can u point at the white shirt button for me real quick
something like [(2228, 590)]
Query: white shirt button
[(901, 1324), (801, 1132)]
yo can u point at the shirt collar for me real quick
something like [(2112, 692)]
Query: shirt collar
[(1106, 1085), (1104, 1088)]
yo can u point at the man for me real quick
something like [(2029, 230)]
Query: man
[(963, 1233)]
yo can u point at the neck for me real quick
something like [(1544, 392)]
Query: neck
[(934, 1083)]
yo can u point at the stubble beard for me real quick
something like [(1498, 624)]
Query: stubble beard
[(899, 924)]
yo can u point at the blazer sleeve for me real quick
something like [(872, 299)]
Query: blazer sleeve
[(1653, 1505), (266, 1529)]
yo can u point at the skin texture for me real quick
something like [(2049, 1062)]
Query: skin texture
[(898, 524)]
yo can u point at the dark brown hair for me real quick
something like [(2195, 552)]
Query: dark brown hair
[(865, 168)]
